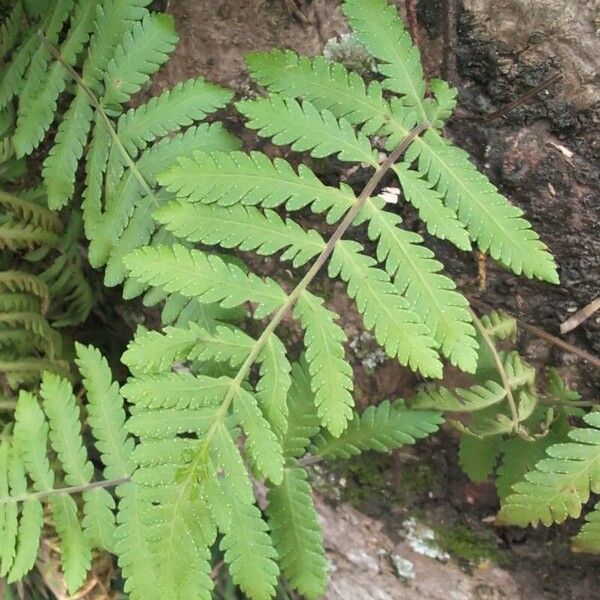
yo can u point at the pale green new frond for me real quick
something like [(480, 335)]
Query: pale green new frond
[(395, 325), (381, 428), (588, 538), (497, 226), (472, 399), (106, 413), (330, 373), (378, 27), (243, 227), (303, 422), (417, 275), (440, 220), (274, 383), (297, 534), (262, 445), (62, 160), (178, 391), (561, 483), (145, 47), (194, 273), (253, 179), (327, 85), (37, 110), (306, 129), (478, 456)]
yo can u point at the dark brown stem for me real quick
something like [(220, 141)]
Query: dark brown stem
[(450, 42)]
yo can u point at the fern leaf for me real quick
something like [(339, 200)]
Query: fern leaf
[(304, 423), (588, 538), (396, 327), (237, 226), (261, 443), (473, 399), (28, 539), (441, 221), (31, 213), (18, 281), (165, 424), (441, 109), (127, 222), (500, 325), (560, 483), (37, 109), (306, 129), (431, 294), (106, 415), (11, 82), (253, 179), (247, 547), (381, 428), (19, 302), (143, 50), (99, 519), (330, 373), (176, 390), (11, 28), (63, 158), (155, 352), (23, 236), (297, 534), (274, 383), (498, 227), (378, 27), (208, 278), (12, 479), (478, 456), (325, 84)]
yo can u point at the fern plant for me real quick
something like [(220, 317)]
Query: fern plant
[(42, 285)]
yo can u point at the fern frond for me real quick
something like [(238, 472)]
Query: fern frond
[(473, 399), (30, 212), (11, 82), (19, 302), (306, 129), (274, 383), (25, 236), (497, 226), (560, 483), (207, 278), (37, 110), (381, 428), (144, 49), (253, 179), (237, 226), (330, 374), (441, 109), (262, 445), (327, 85), (18, 281), (417, 275), (303, 421), (588, 538), (478, 456), (440, 220), (296, 533), (62, 160), (11, 28), (378, 27), (395, 325), (500, 325), (37, 325)]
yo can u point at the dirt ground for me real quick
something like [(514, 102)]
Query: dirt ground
[(544, 157)]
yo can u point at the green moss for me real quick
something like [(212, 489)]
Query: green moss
[(468, 545)]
